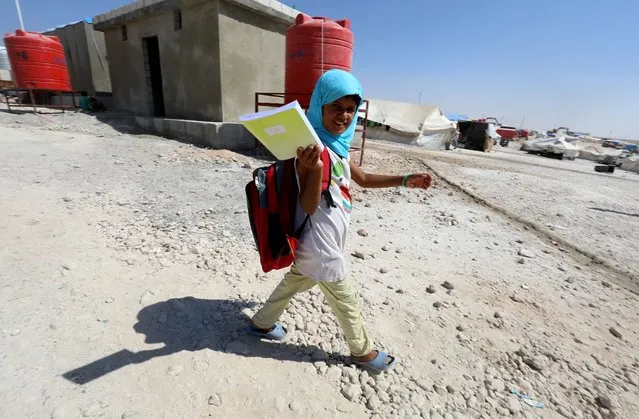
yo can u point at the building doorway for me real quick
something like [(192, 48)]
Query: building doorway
[(153, 71)]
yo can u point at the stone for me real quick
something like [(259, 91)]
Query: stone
[(538, 363), (385, 248), (521, 261), (437, 304), (362, 232), (352, 392), (440, 390), (296, 407), (497, 315), (448, 285), (526, 253), (334, 373), (418, 400), (495, 385), (215, 400), (358, 255), (450, 389), (604, 401), (615, 333), (431, 289), (460, 328), (383, 396), (632, 378), (175, 370), (400, 291), (383, 271), (463, 339), (373, 402), (514, 405), (237, 347), (472, 402), (382, 384), (367, 391), (516, 298)]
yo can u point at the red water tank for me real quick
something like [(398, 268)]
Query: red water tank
[(38, 61), (313, 46)]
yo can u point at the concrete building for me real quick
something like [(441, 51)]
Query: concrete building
[(195, 59), (85, 51)]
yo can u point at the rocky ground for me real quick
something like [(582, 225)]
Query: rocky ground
[(127, 273)]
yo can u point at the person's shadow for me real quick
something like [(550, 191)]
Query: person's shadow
[(193, 324)]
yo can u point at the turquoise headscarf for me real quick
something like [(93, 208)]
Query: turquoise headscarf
[(333, 85)]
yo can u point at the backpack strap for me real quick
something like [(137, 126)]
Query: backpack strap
[(326, 177)]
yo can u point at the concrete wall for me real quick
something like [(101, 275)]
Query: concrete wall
[(189, 60), (87, 64), (252, 53), (99, 61), (219, 135)]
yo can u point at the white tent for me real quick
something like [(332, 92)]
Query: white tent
[(421, 124), (631, 164), (597, 153)]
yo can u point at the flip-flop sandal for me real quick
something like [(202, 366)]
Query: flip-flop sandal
[(277, 332), (382, 362)]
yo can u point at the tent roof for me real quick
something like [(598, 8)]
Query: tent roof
[(407, 117)]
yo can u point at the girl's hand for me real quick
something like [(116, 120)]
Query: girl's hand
[(419, 181), (309, 158)]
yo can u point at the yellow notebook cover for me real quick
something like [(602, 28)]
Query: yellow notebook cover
[(282, 130)]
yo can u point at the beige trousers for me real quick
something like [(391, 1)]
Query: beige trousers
[(342, 296)]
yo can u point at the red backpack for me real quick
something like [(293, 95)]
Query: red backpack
[(272, 198)]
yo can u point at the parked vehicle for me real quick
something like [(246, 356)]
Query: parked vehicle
[(632, 148), (504, 131)]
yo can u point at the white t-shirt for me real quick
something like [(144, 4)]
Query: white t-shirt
[(320, 253)]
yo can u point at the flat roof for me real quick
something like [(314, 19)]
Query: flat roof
[(140, 8)]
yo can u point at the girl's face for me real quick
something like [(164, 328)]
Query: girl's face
[(337, 116)]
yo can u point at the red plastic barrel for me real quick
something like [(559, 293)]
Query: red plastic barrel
[(313, 46), (38, 61)]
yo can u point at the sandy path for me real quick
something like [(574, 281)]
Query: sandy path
[(596, 213)]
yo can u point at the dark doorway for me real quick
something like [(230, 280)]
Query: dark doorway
[(153, 71)]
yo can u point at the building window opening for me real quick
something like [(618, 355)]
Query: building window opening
[(177, 20)]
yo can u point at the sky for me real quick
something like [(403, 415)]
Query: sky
[(571, 63)]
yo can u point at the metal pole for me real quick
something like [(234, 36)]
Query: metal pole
[(19, 14)]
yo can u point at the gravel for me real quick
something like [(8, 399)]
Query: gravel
[(150, 221)]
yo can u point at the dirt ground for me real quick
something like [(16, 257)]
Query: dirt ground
[(127, 271)]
